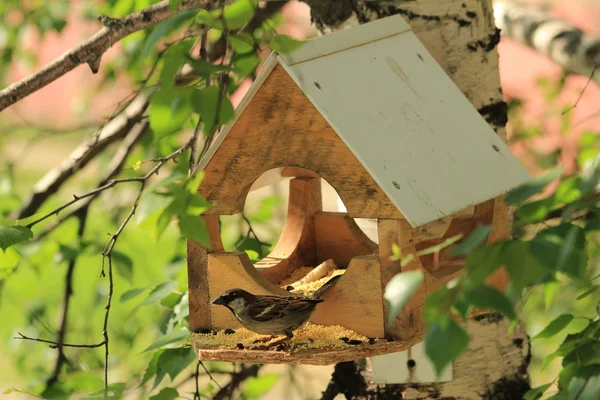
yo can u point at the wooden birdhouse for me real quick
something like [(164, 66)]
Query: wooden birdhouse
[(370, 111)]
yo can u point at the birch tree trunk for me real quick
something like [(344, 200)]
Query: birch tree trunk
[(462, 37)]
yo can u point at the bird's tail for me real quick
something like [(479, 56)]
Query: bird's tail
[(326, 286)]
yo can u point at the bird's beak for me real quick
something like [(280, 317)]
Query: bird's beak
[(218, 301)]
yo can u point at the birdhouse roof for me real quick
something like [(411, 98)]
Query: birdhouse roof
[(403, 118)]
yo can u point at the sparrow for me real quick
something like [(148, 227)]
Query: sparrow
[(272, 315)]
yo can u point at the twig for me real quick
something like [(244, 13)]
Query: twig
[(114, 167), (209, 374), (90, 51), (236, 380), (62, 331), (54, 345), (114, 130)]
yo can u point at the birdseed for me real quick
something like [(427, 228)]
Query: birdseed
[(311, 336)]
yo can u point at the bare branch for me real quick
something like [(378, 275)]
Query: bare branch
[(114, 167), (54, 345), (114, 130), (90, 51)]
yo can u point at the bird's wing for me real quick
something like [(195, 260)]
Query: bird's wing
[(266, 308)]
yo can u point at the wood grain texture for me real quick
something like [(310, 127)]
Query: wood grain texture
[(297, 245), (265, 136), (324, 356), (197, 259), (356, 300), (340, 239)]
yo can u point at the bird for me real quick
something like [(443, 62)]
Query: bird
[(272, 315)]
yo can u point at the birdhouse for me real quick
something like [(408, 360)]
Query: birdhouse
[(371, 112)]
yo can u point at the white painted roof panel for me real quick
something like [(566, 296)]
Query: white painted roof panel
[(406, 121)]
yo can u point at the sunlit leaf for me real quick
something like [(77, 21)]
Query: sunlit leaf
[(130, 294), (285, 44), (256, 387), (172, 337), (194, 228), (169, 109), (536, 393), (166, 27), (205, 102), (400, 288), (239, 13), (242, 43), (557, 325), (11, 235), (160, 291)]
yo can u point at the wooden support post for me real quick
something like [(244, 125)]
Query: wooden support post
[(198, 274), (296, 246)]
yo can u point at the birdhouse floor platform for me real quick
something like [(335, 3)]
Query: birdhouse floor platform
[(311, 345)]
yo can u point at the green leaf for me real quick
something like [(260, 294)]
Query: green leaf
[(557, 325), (166, 27), (238, 14), (256, 387), (204, 68), (242, 43), (400, 288), (445, 341), (562, 248), (172, 337), (172, 361), (124, 265), (244, 65), (285, 44), (535, 186), (166, 393), (536, 393), (486, 297), (209, 18), (160, 291), (152, 367), (585, 384), (523, 268), (482, 262), (169, 109), (253, 255), (174, 59), (205, 102), (130, 294), (194, 228), (587, 353), (436, 305), (11, 235), (565, 376), (473, 240), (587, 292)]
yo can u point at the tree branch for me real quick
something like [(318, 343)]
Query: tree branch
[(90, 51), (54, 345), (236, 380), (115, 129), (569, 47), (114, 167), (62, 331)]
